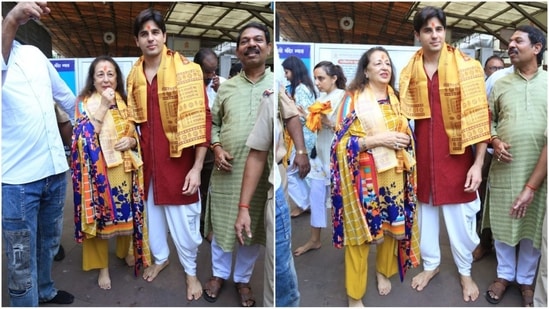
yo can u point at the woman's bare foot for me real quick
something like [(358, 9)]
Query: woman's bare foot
[(420, 281), (152, 271), (309, 245), (383, 284), (130, 260), (469, 288), (355, 302), (296, 212), (104, 280), (194, 288)]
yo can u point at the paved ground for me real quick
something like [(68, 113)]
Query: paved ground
[(321, 278), (167, 290)]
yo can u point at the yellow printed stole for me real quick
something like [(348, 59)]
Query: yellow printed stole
[(372, 121), (115, 126), (462, 95), (180, 96)]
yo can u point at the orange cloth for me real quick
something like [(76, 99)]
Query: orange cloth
[(316, 110), (181, 99), (462, 95)]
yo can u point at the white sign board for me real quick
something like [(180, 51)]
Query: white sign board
[(344, 55), (83, 65), (348, 55), (186, 47)]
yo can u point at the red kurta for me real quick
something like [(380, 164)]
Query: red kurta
[(168, 174), (439, 174)]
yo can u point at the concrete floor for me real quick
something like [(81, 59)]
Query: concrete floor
[(167, 290), (321, 277)]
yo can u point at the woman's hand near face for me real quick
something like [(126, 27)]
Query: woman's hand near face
[(108, 97)]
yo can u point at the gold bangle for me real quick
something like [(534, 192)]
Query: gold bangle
[(212, 146), (301, 152)]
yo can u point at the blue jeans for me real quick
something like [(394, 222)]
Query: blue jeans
[(287, 293), (32, 220)]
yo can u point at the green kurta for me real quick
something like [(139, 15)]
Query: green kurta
[(233, 116), (519, 118)]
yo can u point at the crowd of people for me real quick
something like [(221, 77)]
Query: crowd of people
[(137, 153), (398, 158), (174, 149)]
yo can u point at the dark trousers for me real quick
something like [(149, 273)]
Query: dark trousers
[(205, 184)]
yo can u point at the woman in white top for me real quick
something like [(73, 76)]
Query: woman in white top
[(330, 81)]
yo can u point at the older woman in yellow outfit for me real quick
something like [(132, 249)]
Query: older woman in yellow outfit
[(107, 175), (373, 176)]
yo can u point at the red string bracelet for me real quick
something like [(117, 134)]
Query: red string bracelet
[(243, 206), (530, 187)]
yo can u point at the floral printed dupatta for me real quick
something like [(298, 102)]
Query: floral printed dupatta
[(359, 181), (95, 196)]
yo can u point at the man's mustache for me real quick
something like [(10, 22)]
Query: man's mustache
[(250, 50)]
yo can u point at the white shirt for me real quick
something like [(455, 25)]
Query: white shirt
[(495, 76), (211, 92), (31, 144)]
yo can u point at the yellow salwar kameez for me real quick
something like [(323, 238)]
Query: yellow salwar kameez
[(374, 204), (108, 188)]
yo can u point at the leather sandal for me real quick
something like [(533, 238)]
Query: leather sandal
[(246, 296), (212, 289), (497, 288), (527, 291)]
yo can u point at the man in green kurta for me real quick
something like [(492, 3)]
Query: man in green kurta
[(233, 116), (518, 103)]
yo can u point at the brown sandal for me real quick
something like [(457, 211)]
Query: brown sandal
[(497, 288), (246, 296), (213, 287), (527, 291)]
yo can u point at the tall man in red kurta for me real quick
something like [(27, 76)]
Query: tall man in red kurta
[(166, 98), (443, 91)]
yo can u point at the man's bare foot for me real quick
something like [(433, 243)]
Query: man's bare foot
[(104, 280), (152, 271), (130, 260), (194, 288), (469, 287), (355, 302), (383, 284), (420, 281), (309, 245)]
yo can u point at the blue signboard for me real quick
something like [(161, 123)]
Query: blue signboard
[(67, 71), (302, 51)]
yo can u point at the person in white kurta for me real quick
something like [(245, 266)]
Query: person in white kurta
[(330, 81)]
